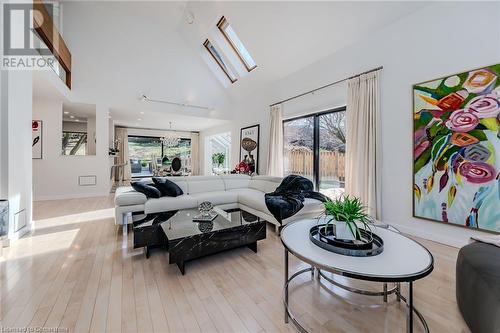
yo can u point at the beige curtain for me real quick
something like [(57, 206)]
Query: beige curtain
[(275, 152), (195, 154), (121, 135), (363, 121)]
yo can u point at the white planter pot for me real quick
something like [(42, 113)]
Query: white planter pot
[(342, 231)]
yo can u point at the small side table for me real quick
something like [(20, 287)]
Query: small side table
[(402, 261)]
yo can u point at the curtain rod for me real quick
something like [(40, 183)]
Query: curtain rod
[(327, 85)]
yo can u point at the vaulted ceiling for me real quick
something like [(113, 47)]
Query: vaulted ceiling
[(124, 49)]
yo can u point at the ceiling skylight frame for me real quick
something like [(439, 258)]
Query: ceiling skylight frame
[(217, 56), (222, 25)]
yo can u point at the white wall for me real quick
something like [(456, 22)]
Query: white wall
[(427, 44), (4, 138), (251, 111), (15, 146), (15, 133), (56, 176), (92, 135)]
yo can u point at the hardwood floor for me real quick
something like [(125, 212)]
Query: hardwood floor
[(77, 273)]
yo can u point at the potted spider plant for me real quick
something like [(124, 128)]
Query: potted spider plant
[(348, 215)]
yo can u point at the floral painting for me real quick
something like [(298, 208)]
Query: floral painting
[(457, 149)]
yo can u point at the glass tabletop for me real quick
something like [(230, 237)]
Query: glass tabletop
[(182, 225)]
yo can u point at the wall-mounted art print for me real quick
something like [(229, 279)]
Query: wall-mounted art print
[(457, 149), (249, 147), (36, 139)]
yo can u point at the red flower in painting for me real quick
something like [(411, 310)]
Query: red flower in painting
[(477, 172), (34, 124), (462, 121)]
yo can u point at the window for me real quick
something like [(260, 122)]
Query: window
[(142, 152), (218, 154), (182, 151), (218, 59), (147, 153), (299, 147), (236, 44), (314, 147)]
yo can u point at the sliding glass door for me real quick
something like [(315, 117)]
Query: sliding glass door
[(332, 146), (298, 138), (183, 151), (314, 147), (142, 151), (147, 152)]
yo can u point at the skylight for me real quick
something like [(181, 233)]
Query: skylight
[(236, 44), (219, 60)]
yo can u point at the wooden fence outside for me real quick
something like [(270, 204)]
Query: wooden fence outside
[(300, 162)]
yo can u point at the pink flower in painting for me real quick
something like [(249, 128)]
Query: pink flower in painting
[(484, 106), (462, 121), (477, 172)]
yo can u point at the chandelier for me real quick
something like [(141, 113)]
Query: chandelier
[(170, 139)]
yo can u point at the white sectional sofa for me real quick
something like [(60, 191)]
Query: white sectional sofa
[(227, 192)]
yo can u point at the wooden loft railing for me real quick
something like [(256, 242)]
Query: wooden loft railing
[(45, 28)]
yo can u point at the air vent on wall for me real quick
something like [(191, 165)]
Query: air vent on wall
[(87, 180)]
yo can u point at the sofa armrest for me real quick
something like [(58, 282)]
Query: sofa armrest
[(126, 196)]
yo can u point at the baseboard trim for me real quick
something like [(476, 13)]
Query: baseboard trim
[(418, 232), (70, 196)]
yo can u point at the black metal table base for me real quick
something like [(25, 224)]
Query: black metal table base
[(410, 309)]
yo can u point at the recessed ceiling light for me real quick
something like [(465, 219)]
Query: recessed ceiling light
[(72, 117), (66, 112), (139, 119), (77, 119)]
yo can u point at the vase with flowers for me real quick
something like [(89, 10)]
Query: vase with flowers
[(242, 168)]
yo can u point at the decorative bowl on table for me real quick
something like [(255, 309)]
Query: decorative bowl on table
[(323, 236), (206, 212)]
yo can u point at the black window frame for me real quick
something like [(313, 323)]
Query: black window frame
[(316, 129)]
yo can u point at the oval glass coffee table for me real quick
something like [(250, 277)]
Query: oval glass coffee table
[(403, 260)]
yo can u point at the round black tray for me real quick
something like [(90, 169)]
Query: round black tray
[(349, 248), (327, 235)]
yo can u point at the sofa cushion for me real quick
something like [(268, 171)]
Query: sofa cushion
[(181, 182), (147, 188), (127, 196), (252, 198), (165, 204), (167, 187), (236, 181), (200, 184), (216, 197), (266, 184)]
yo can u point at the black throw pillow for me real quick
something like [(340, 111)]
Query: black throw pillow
[(167, 187), (147, 188)]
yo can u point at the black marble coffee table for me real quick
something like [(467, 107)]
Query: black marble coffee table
[(188, 240)]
